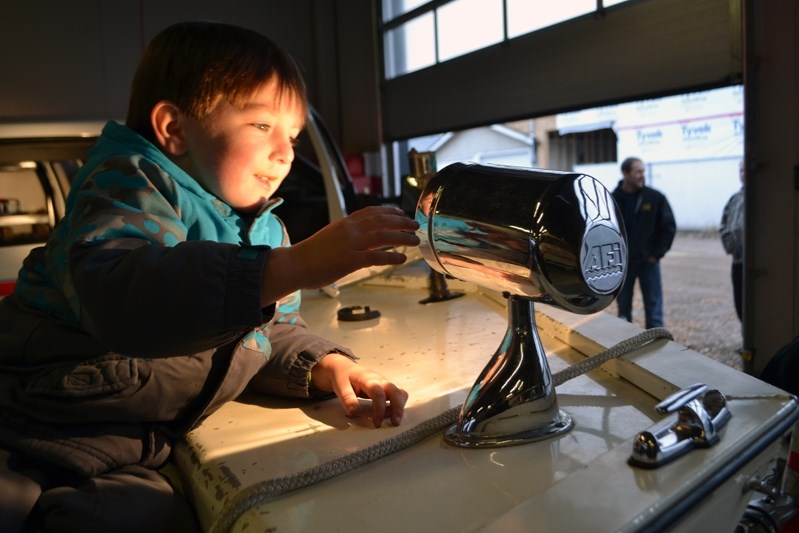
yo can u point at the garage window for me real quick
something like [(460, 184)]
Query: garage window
[(418, 34)]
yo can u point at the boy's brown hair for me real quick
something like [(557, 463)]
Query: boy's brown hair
[(195, 65)]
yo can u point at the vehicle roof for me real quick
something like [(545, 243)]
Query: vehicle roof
[(51, 130), (37, 141)]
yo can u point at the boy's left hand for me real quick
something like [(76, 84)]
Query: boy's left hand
[(349, 380)]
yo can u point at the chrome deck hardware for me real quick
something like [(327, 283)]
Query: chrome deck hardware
[(423, 167), (513, 399), (701, 413), (536, 236)]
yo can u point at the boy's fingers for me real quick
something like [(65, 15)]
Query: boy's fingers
[(378, 239), (398, 400), (343, 389), (387, 399), (378, 396)]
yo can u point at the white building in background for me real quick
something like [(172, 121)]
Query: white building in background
[(691, 144), (497, 144)]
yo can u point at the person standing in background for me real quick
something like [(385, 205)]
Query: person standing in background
[(650, 226), (732, 238)]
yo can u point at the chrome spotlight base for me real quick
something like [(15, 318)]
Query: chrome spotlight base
[(513, 400), (560, 424)]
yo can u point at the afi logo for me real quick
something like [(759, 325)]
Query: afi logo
[(604, 258)]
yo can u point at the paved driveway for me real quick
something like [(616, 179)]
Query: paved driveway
[(699, 308)]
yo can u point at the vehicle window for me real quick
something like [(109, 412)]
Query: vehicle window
[(24, 213), (317, 161), (36, 174), (64, 172)]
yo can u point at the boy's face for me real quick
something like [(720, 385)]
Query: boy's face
[(242, 154)]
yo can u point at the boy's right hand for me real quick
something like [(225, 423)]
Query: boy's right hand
[(344, 246), (350, 381)]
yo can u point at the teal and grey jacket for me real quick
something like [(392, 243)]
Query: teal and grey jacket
[(142, 314)]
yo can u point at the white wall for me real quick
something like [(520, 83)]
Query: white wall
[(696, 190)]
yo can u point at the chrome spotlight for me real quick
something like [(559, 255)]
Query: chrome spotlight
[(535, 236)]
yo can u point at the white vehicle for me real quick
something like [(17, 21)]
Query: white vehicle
[(37, 162), (268, 464)]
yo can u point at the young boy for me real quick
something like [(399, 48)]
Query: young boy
[(169, 287)]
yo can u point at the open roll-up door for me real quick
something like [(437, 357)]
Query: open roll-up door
[(635, 50)]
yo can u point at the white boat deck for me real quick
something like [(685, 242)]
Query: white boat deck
[(576, 482)]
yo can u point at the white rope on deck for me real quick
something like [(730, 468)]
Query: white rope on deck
[(268, 490)]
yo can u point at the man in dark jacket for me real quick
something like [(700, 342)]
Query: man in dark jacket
[(650, 227)]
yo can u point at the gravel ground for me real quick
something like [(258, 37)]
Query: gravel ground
[(698, 304)]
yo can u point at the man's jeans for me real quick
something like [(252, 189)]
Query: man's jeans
[(649, 276)]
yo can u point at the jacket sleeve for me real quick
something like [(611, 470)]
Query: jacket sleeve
[(295, 351), (142, 299), (665, 229), (138, 287), (726, 230)]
